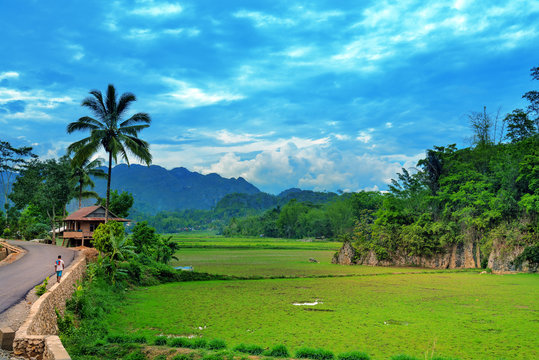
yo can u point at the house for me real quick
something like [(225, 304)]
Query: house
[(79, 226)]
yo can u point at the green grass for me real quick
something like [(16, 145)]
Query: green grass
[(272, 262), (454, 315), (190, 240)]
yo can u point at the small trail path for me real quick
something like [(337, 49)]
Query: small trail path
[(22, 275)]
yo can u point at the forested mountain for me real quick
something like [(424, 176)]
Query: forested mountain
[(158, 189), (231, 206)]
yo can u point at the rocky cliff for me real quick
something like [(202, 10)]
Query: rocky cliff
[(501, 258), (456, 256)]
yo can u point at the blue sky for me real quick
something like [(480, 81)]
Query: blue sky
[(321, 95)]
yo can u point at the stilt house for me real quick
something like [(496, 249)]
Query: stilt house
[(79, 227)]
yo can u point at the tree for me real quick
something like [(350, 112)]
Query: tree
[(102, 238), (519, 126), (119, 203), (81, 174), (46, 186), (12, 160), (144, 238), (110, 132), (533, 98)]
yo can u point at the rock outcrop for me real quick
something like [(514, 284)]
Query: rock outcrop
[(502, 257), (454, 257)]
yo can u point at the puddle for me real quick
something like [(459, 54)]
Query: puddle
[(316, 302)]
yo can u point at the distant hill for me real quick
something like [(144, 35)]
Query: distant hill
[(264, 201), (158, 189)]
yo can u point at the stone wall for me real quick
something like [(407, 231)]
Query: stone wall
[(36, 338), (456, 256)]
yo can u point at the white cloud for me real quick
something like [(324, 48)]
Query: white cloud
[(261, 19), (162, 9), (364, 136), (9, 75), (190, 96)]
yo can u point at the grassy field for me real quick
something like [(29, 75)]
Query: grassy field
[(207, 240), (379, 310), (464, 315), (273, 262)]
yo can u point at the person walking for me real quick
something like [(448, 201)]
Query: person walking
[(59, 267)]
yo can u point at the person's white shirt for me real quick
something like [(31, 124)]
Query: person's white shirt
[(59, 265)]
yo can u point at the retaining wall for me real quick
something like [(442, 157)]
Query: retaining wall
[(36, 338)]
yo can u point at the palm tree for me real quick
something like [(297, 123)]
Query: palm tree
[(110, 132), (81, 175)]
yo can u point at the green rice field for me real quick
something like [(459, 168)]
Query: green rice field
[(378, 310), (272, 263)]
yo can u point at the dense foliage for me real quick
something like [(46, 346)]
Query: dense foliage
[(231, 206)]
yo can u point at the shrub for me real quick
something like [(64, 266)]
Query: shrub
[(136, 355), (198, 344), (213, 357), (180, 342), (41, 289), (403, 357), (249, 349), (118, 339), (318, 354), (65, 324), (279, 351), (216, 344), (139, 339), (354, 355), (160, 340), (160, 357), (182, 357)]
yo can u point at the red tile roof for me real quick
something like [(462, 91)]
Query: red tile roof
[(82, 214)]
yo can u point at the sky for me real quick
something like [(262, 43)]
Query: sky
[(321, 95)]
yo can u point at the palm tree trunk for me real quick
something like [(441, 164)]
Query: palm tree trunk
[(108, 189), (80, 194)]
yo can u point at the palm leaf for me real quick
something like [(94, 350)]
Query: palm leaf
[(125, 100)]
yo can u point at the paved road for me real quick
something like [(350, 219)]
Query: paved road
[(19, 277)]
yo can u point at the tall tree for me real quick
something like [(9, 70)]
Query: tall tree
[(533, 98), (519, 126), (110, 132), (82, 174), (44, 185), (12, 160)]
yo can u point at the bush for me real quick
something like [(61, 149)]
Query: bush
[(279, 351), (354, 355), (182, 357), (119, 339), (180, 342), (160, 340), (213, 357), (403, 357), (249, 349), (65, 324), (318, 354), (36, 231), (139, 339), (216, 344), (160, 357), (136, 355), (41, 289), (198, 344)]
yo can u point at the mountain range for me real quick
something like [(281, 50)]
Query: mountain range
[(158, 189)]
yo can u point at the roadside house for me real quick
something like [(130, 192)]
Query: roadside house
[(78, 228)]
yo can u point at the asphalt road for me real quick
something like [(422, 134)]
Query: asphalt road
[(21, 276)]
